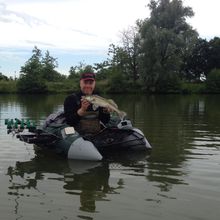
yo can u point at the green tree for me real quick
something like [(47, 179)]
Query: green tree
[(31, 79), (76, 71), (31, 84), (37, 72), (214, 58), (102, 70), (33, 66), (72, 73), (213, 81), (204, 57), (49, 64), (3, 77), (130, 52), (118, 60), (197, 63), (165, 39)]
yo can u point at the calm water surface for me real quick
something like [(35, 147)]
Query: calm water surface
[(180, 179)]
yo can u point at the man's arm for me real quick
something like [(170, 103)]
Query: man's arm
[(71, 107)]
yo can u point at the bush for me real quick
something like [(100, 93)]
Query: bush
[(169, 84), (166, 83), (30, 84), (7, 86), (117, 83), (213, 81), (192, 88), (66, 86)]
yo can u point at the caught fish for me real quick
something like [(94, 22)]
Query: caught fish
[(99, 101)]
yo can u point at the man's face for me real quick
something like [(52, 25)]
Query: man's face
[(87, 86)]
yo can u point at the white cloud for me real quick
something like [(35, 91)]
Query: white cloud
[(85, 26), (74, 24), (206, 17), (10, 16), (69, 24), (82, 27)]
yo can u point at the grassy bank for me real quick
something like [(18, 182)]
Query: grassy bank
[(193, 88), (61, 87), (105, 87), (8, 86)]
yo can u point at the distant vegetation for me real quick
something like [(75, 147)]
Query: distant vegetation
[(160, 54)]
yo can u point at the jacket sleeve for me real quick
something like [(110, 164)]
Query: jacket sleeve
[(104, 117), (71, 107)]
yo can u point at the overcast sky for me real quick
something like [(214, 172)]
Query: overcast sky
[(79, 30)]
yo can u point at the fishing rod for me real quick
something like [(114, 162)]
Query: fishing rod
[(27, 131)]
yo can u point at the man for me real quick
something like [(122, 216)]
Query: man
[(80, 113)]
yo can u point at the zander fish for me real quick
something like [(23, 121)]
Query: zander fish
[(99, 101)]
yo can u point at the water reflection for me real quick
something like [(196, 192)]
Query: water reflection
[(36, 107), (183, 130), (91, 186), (180, 128), (87, 180), (174, 125)]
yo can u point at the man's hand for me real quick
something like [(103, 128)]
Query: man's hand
[(84, 105)]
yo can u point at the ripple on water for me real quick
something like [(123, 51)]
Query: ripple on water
[(179, 180)]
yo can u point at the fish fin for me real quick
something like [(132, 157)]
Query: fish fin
[(94, 107), (113, 103), (97, 96)]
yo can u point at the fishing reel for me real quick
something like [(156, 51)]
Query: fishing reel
[(125, 124)]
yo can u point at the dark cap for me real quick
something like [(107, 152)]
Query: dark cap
[(88, 76)]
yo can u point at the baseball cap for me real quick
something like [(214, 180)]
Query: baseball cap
[(87, 76)]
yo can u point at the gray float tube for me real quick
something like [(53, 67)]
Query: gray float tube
[(147, 144), (82, 149)]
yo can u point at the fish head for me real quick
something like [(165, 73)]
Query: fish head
[(90, 98)]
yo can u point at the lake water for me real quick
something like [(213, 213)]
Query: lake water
[(180, 179)]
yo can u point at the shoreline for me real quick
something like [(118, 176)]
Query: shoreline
[(10, 87)]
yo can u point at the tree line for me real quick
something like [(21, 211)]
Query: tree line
[(159, 54)]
